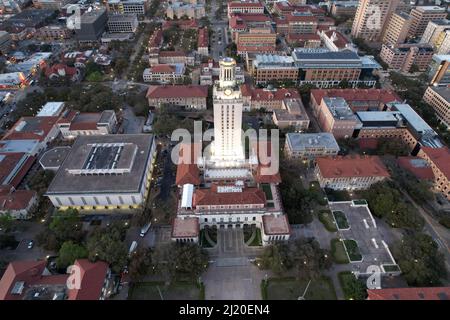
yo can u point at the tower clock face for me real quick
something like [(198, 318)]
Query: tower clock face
[(228, 92)]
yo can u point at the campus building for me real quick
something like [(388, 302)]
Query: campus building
[(334, 115), (439, 70), (398, 28), (437, 158), (324, 68), (406, 56), (365, 26), (256, 40), (164, 73), (308, 146), (253, 7), (127, 6), (119, 23), (350, 173), (189, 96), (268, 98), (74, 123), (439, 99), (221, 186), (268, 67), (422, 15), (105, 172), (92, 26)]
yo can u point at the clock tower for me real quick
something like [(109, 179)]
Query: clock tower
[(228, 150)]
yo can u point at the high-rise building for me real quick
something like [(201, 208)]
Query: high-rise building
[(406, 57), (371, 18), (93, 24), (422, 15), (433, 30), (397, 29), (439, 70), (442, 44), (228, 107)]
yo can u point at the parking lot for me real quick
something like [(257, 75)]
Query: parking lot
[(365, 231)]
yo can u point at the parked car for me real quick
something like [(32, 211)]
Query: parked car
[(30, 244)]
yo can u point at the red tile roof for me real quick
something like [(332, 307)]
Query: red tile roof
[(26, 271), (187, 169), (23, 171), (178, 91), (172, 54), (35, 128), (210, 196), (428, 293), (15, 199), (273, 178), (17, 162), (422, 171), (276, 225), (339, 40), (60, 69), (183, 24), (361, 166), (202, 38), (245, 5), (256, 49), (440, 157), (241, 20), (357, 95), (291, 37), (285, 7), (162, 68), (92, 280), (258, 94)]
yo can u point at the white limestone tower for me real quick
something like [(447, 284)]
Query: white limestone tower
[(228, 150)]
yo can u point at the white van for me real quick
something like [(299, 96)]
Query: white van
[(145, 229), (133, 247)]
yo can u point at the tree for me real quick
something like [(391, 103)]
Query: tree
[(7, 241), (180, 259), (140, 263), (420, 260), (41, 180), (107, 245), (276, 258), (353, 288), (67, 225), (120, 66), (304, 255), (6, 222), (386, 202), (309, 259), (70, 252)]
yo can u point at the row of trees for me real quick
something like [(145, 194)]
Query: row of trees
[(303, 256), (386, 202), (65, 235)]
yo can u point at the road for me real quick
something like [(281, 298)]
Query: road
[(220, 28)]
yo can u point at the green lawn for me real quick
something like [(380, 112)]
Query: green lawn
[(360, 202), (267, 191), (353, 288), (353, 250), (291, 289), (327, 220), (338, 252), (257, 241), (341, 220), (175, 291)]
